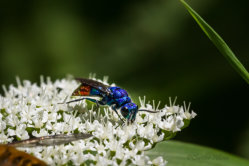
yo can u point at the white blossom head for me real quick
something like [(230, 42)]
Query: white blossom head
[(30, 110)]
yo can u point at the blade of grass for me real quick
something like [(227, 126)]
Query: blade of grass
[(219, 43)]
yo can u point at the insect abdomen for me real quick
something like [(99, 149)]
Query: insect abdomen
[(9, 156), (95, 92), (82, 90), (86, 90)]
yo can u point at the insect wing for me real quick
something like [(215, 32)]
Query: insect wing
[(50, 140), (86, 86), (9, 156)]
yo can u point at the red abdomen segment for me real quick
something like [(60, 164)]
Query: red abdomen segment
[(82, 90)]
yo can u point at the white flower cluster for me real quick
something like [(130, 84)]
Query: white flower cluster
[(33, 110)]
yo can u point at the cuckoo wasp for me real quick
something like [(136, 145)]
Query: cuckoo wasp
[(113, 96)]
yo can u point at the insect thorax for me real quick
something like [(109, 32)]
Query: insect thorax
[(118, 97)]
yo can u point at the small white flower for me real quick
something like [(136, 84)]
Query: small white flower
[(20, 132), (159, 161), (101, 148), (12, 120), (172, 110), (140, 145), (42, 132), (140, 160), (5, 138), (2, 125)]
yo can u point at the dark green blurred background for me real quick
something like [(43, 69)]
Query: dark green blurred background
[(151, 48)]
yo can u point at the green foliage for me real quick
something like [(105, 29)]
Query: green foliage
[(218, 42), (186, 154)]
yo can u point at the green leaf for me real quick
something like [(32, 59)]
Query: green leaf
[(218, 42), (186, 154)]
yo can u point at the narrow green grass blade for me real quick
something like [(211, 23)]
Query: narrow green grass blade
[(185, 154), (219, 43)]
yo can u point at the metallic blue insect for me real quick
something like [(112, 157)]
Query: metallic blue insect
[(115, 97)]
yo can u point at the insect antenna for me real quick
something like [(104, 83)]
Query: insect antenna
[(72, 101), (149, 111)]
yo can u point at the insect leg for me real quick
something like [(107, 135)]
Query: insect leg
[(84, 98), (114, 108), (74, 100)]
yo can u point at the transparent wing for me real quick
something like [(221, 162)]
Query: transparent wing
[(50, 140), (95, 84)]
